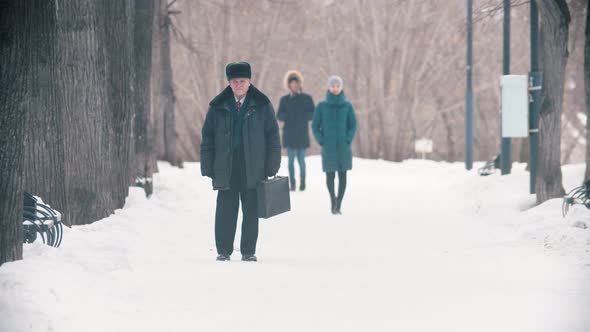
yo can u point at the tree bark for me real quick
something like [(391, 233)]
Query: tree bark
[(119, 39), (167, 90), (82, 80), (157, 117), (44, 166), (17, 31), (587, 86), (95, 76), (523, 156), (143, 142), (451, 152), (79, 97), (555, 19)]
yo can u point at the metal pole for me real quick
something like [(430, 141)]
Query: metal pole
[(535, 77), (506, 149), (469, 92)]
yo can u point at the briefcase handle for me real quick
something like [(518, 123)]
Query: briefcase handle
[(267, 179)]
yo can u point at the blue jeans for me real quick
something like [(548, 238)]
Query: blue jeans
[(300, 155)]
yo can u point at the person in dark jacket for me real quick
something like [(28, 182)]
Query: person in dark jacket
[(296, 110), (240, 147), (334, 126)]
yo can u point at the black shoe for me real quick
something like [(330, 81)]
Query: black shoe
[(223, 258), (293, 185), (302, 184), (249, 258)]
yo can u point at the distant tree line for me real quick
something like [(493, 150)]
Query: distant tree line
[(403, 63), (403, 66)]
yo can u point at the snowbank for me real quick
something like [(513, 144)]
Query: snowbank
[(421, 246)]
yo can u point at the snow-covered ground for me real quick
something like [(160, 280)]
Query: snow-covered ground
[(421, 246)]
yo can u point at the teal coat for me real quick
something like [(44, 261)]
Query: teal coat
[(334, 126)]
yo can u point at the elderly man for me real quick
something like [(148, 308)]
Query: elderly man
[(240, 147)]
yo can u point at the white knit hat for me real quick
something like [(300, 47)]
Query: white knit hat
[(335, 80)]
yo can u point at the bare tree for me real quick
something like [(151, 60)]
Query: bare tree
[(573, 129), (78, 155), (166, 96), (18, 29), (144, 156), (44, 166), (402, 62), (96, 106), (587, 86), (156, 114), (119, 17), (69, 94), (554, 37)]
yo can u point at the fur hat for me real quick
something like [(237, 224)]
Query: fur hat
[(238, 70), (293, 75)]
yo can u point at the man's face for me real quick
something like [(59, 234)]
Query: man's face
[(335, 89), (239, 86), (294, 86)]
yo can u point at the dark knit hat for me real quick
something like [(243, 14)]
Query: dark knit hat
[(238, 70)]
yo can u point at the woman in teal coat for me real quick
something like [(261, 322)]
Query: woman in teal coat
[(334, 126)]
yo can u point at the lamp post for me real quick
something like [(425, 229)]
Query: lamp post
[(535, 77), (506, 147)]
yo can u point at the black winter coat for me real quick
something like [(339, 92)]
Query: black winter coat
[(260, 139), (296, 111)]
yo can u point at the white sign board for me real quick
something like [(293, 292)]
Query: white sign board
[(423, 146), (515, 105)]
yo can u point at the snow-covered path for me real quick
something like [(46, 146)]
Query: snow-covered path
[(421, 246)]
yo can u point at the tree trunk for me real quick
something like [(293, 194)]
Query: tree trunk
[(555, 19), (451, 152), (587, 87), (81, 67), (144, 158), (44, 166), (119, 38), (167, 91), (156, 118), (523, 156), (17, 30), (96, 76), (80, 106)]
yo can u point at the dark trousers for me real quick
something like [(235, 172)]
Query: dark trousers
[(300, 155), (341, 184), (226, 213)]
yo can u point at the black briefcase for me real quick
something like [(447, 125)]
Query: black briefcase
[(273, 197)]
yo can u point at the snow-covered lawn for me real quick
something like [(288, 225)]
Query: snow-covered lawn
[(421, 246)]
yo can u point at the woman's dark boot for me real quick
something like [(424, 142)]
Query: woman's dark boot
[(338, 205), (333, 200), (293, 185), (302, 184)]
